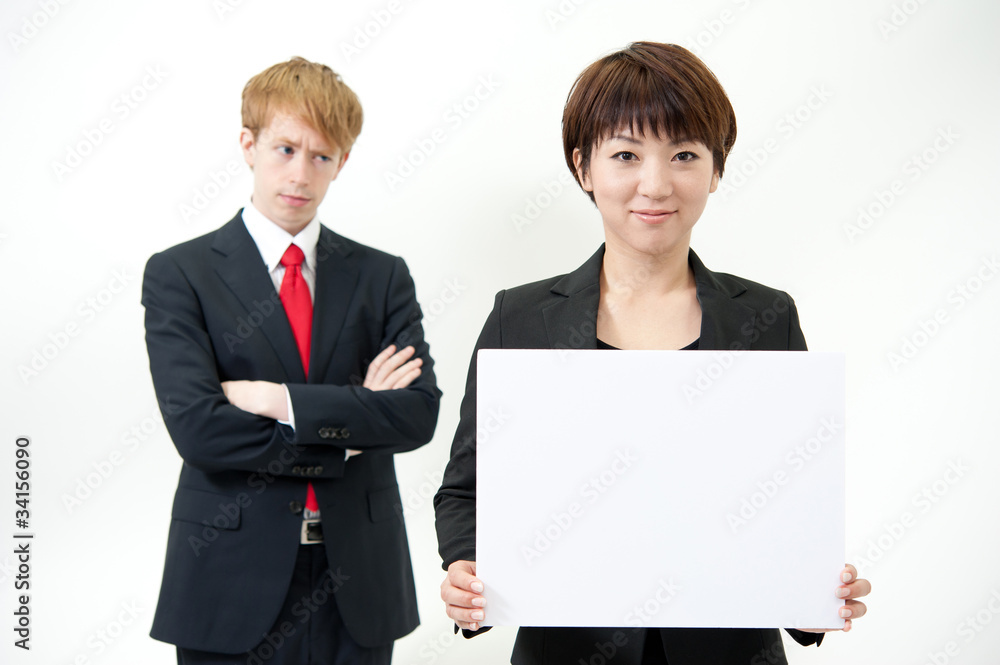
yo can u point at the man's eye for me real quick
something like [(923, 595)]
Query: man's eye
[(285, 150), (686, 156), (323, 158), (625, 156)]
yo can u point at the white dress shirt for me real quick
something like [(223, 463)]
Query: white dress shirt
[(272, 241)]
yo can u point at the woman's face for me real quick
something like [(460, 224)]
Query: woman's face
[(650, 191)]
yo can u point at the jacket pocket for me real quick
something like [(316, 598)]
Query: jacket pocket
[(206, 508), (384, 503)]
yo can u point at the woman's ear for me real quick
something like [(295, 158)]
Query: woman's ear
[(715, 182), (581, 175)]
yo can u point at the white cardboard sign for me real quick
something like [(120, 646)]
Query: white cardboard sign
[(660, 488)]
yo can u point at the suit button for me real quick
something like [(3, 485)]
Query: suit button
[(344, 432), (297, 470), (319, 470), (324, 433), (295, 507)]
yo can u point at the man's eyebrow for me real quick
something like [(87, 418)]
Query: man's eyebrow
[(324, 150)]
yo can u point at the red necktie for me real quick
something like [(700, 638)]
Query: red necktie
[(299, 310)]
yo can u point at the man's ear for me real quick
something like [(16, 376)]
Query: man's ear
[(581, 175), (715, 182), (249, 145)]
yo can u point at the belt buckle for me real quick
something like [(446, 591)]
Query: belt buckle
[(312, 532)]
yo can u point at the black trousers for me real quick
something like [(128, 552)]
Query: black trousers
[(308, 630)]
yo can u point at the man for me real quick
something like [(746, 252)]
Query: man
[(290, 364)]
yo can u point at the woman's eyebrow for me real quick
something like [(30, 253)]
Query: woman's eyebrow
[(631, 139)]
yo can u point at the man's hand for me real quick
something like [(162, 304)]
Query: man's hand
[(462, 593), (851, 588), (262, 398), (390, 370)]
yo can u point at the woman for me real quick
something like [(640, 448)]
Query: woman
[(646, 132)]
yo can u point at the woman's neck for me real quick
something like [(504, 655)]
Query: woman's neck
[(630, 274)]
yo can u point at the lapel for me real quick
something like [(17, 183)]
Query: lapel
[(726, 323), (337, 272), (239, 266), (571, 320)]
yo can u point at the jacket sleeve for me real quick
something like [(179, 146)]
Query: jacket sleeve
[(213, 435), (386, 421), (455, 501)]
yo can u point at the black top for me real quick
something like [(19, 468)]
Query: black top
[(693, 346)]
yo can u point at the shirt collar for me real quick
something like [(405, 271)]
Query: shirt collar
[(272, 240)]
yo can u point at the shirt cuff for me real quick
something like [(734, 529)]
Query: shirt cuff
[(291, 414)]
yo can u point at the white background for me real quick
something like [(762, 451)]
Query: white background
[(880, 94)]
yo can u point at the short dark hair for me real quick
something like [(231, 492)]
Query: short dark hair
[(662, 87)]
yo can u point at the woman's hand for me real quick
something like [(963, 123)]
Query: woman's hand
[(462, 593), (850, 590)]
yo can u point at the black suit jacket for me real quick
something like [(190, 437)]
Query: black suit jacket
[(212, 315), (561, 313)]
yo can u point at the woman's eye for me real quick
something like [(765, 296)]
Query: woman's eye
[(686, 156), (625, 156)]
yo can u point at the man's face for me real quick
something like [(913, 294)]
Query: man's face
[(292, 167)]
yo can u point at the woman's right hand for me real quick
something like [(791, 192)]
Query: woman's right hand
[(462, 593)]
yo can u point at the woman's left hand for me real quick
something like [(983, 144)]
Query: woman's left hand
[(852, 589)]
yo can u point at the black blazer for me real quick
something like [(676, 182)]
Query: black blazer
[(561, 313), (212, 315)]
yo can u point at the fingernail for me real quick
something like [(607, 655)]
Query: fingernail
[(479, 602), (478, 616), (844, 612), (473, 626), (843, 593), (846, 577), (477, 587)]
